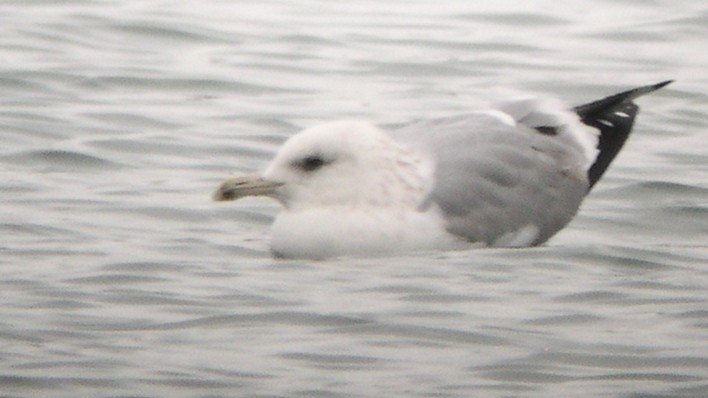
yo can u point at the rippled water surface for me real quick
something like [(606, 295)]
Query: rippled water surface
[(119, 276)]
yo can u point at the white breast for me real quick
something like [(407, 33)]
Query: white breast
[(333, 231)]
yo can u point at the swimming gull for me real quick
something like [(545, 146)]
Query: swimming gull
[(511, 176)]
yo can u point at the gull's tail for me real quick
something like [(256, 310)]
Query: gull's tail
[(614, 117)]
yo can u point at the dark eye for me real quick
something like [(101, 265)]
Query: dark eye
[(311, 163)]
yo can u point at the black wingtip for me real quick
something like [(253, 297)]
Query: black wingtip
[(614, 117), (637, 92), (586, 110), (662, 84)]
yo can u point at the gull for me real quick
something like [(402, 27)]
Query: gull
[(509, 176)]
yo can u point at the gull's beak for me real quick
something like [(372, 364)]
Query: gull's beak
[(249, 185)]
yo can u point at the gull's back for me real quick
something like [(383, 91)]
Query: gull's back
[(517, 175), (498, 184)]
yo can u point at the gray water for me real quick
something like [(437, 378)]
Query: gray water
[(119, 276)]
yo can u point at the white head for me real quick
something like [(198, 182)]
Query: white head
[(342, 163)]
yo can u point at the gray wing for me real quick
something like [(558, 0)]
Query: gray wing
[(494, 180)]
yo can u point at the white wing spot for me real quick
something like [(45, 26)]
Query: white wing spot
[(606, 122), (522, 237), (622, 114), (500, 116)]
